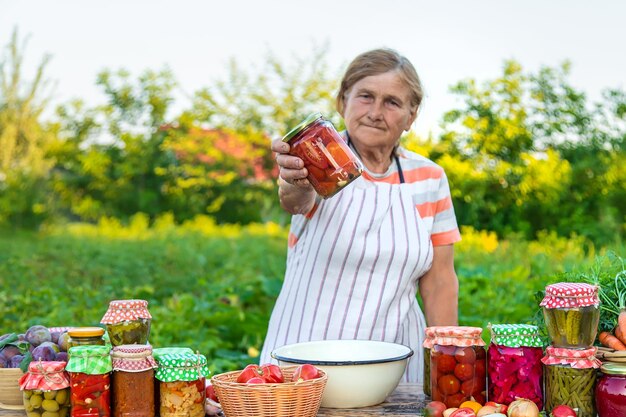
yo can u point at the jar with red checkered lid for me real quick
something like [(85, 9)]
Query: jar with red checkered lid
[(127, 322)]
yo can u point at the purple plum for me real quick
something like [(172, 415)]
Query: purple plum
[(54, 336), (38, 334), (15, 361), (54, 346), (21, 337), (64, 341), (4, 362), (44, 353), (61, 356), (9, 351)]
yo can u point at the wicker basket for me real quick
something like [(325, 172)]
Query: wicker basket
[(287, 399), (10, 394)]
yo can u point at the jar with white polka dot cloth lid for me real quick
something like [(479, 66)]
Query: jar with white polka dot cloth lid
[(182, 379), (572, 313), (127, 322)]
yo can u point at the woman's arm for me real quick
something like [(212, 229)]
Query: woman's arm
[(296, 194), (439, 289)]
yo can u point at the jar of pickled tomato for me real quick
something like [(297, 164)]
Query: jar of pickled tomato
[(611, 390), (182, 379), (328, 159), (570, 378), (571, 312), (458, 366), (127, 322), (514, 367), (90, 367), (46, 389), (133, 381)]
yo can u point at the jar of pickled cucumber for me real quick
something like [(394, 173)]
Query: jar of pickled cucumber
[(514, 367), (571, 312), (611, 390), (127, 322), (133, 380), (80, 336), (90, 367), (458, 367), (182, 379), (46, 389), (570, 378), (330, 163), (428, 345)]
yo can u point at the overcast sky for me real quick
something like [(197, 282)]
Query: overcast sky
[(446, 40)]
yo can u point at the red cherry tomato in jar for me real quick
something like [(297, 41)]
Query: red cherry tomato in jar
[(465, 355), (338, 153), (311, 154)]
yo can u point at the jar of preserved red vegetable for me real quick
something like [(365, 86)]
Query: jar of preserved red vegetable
[(90, 368), (133, 381), (611, 390), (458, 366), (182, 379), (570, 377), (571, 312), (80, 336), (514, 367), (328, 159), (46, 389), (128, 322)]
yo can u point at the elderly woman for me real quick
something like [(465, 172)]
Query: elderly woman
[(356, 260)]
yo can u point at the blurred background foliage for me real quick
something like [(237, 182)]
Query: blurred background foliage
[(143, 197)]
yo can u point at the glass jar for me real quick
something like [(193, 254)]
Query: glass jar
[(46, 389), (571, 312), (133, 381), (80, 336), (514, 367), (328, 159), (127, 322), (428, 344), (570, 377), (182, 379), (157, 353), (611, 390), (89, 368), (458, 365)]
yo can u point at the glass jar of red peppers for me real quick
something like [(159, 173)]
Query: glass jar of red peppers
[(458, 367), (182, 379), (328, 159), (133, 381), (89, 368), (127, 322), (611, 390), (514, 367), (46, 389)]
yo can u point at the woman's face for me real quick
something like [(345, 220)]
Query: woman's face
[(377, 109)]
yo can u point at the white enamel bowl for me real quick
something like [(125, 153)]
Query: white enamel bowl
[(361, 373)]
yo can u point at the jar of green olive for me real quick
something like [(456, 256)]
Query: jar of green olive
[(46, 389)]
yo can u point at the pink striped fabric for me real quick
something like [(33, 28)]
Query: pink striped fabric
[(354, 265)]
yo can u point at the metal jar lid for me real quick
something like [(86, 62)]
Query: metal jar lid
[(301, 126), (613, 368)]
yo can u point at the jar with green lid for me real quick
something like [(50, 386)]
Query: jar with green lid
[(46, 389), (611, 390), (570, 378), (90, 367), (514, 367), (182, 379), (127, 322), (81, 336), (571, 312), (157, 353)]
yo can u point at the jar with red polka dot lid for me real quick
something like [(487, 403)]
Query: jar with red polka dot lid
[(571, 312), (133, 381), (127, 322)]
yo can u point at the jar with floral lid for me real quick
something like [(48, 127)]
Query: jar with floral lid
[(90, 367), (570, 378), (571, 312), (133, 381), (182, 379), (127, 322), (429, 334), (80, 336), (514, 367), (611, 390), (46, 389), (458, 367)]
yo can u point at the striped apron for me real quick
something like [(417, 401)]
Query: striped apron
[(352, 272)]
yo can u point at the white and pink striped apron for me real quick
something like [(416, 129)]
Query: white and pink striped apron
[(353, 272)]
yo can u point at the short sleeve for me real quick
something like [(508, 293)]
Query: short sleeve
[(445, 230)]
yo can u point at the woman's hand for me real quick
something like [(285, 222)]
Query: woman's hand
[(296, 194)]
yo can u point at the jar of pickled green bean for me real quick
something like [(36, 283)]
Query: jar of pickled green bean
[(570, 379)]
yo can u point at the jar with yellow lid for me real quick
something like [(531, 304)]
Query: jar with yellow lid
[(80, 336)]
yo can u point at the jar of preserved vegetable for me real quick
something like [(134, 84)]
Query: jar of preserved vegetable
[(428, 344), (611, 390), (514, 367), (182, 379), (80, 336), (458, 366), (46, 389), (128, 322), (157, 353), (570, 377), (89, 367), (133, 381), (571, 312), (328, 159)]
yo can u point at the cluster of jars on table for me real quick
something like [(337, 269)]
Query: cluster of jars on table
[(458, 368), (117, 373)]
